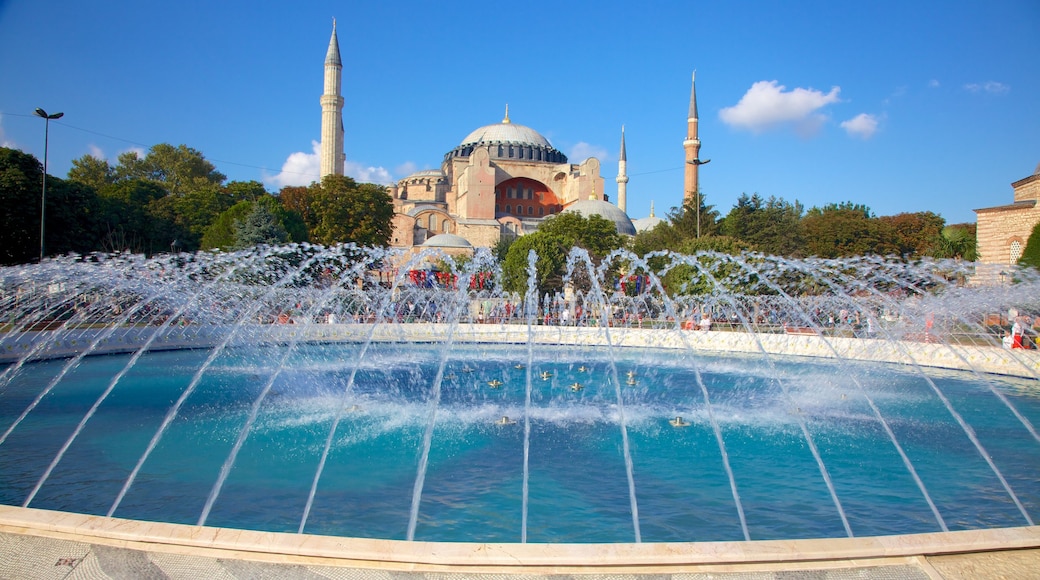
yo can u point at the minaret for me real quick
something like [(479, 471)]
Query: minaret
[(622, 175), (692, 145), (332, 156)]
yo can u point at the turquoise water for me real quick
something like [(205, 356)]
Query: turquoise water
[(474, 485)]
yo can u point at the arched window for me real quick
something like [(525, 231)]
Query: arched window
[(433, 222), (530, 210), (1016, 251), (509, 209), (446, 226)]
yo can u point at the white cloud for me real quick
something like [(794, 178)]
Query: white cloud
[(95, 151), (304, 168), (405, 169), (4, 141), (991, 87), (367, 174), (139, 150), (582, 151), (862, 125), (933, 84), (299, 168), (766, 105)]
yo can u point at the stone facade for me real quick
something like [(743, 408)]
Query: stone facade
[(501, 180), (1002, 231), (332, 156)]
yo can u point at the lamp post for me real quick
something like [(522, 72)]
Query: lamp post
[(699, 162), (43, 195)]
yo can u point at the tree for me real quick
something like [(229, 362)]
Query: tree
[(21, 177), (957, 241), (181, 169), (596, 234), (72, 213), (552, 242), (846, 229), (552, 256), (258, 227), (298, 199), (223, 232), (92, 171), (685, 218), (244, 190), (1031, 253), (191, 212), (917, 234), (771, 226), (125, 220), (346, 211)]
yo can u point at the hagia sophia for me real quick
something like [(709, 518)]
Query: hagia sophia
[(505, 179), (501, 180)]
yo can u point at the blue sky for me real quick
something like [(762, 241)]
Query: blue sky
[(899, 105)]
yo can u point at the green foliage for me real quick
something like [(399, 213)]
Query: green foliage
[(597, 235), (191, 213), (244, 190), (221, 233), (180, 170), (72, 211), (125, 220), (685, 219), (957, 241), (92, 172), (548, 269), (916, 234), (1031, 253), (21, 179), (846, 229), (258, 227), (553, 240), (346, 211), (771, 226)]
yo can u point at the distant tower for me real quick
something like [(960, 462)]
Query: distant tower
[(622, 175), (332, 156), (692, 145)]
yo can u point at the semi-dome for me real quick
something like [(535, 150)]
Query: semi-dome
[(605, 210), (646, 224), (447, 241), (509, 141)]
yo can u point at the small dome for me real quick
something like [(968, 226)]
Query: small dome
[(648, 223), (605, 210), (447, 241)]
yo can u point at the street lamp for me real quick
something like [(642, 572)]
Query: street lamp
[(43, 196), (698, 192)]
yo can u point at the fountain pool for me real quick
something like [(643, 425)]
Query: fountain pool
[(578, 491), (319, 392)]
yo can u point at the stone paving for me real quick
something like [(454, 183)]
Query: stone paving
[(31, 557)]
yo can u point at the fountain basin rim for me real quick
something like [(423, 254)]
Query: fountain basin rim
[(985, 359), (439, 556)]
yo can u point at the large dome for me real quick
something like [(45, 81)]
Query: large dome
[(508, 141), (605, 210), (506, 133)]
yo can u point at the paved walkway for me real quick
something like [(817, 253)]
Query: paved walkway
[(30, 557)]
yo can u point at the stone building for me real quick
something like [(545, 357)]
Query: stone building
[(501, 180), (1002, 231)]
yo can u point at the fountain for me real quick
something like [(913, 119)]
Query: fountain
[(357, 393)]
